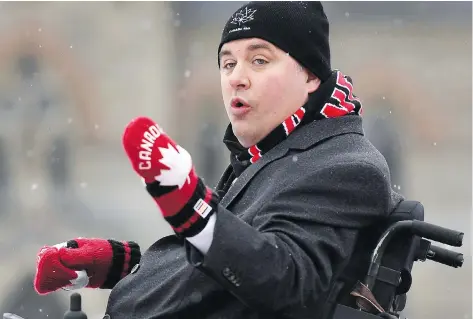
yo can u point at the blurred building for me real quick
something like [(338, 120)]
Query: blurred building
[(74, 73)]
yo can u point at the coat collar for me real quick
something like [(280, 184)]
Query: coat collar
[(305, 137)]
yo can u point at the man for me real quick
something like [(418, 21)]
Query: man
[(274, 237)]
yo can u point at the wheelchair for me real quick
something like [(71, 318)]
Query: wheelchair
[(378, 290)]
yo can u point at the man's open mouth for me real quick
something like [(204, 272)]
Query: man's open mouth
[(239, 103)]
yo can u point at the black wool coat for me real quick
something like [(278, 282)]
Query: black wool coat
[(285, 230)]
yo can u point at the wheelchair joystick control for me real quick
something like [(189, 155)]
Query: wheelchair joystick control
[(75, 309)]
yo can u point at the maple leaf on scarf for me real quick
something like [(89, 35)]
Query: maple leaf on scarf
[(180, 165)]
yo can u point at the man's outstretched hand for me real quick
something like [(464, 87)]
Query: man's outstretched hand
[(167, 170), (84, 262)]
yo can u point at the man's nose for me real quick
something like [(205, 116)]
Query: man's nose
[(239, 78)]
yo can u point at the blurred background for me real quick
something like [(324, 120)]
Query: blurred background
[(74, 73)]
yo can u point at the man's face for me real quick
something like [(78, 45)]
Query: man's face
[(261, 87)]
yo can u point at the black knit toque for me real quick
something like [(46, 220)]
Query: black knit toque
[(299, 28)]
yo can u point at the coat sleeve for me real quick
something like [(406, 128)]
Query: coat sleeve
[(286, 259)]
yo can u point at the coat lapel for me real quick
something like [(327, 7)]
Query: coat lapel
[(277, 152), (303, 138)]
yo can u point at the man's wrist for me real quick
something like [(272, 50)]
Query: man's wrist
[(126, 254), (203, 240), (194, 216)]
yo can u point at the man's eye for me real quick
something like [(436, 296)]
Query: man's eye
[(260, 61), (229, 65)]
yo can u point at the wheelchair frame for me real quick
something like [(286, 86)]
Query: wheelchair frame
[(368, 308)]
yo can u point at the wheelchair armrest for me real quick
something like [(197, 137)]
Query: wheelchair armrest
[(421, 229)]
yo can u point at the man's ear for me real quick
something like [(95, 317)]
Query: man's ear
[(313, 82)]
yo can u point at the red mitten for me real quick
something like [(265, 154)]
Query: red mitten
[(105, 262), (167, 170), (52, 275)]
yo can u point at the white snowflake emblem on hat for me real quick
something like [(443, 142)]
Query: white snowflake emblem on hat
[(243, 16)]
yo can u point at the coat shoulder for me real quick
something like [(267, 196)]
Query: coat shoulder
[(339, 152)]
